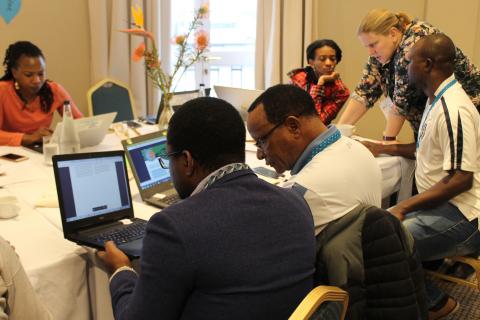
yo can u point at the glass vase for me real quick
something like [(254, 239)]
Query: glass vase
[(166, 113)]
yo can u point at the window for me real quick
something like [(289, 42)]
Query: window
[(230, 59)]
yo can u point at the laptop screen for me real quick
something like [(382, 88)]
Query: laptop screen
[(92, 186), (144, 157)]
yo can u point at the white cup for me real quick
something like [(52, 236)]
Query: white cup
[(50, 148), (346, 130), (8, 207)]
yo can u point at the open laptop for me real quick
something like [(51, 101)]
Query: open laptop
[(91, 130), (95, 201), (240, 98), (154, 182)]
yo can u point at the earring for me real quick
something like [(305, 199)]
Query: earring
[(16, 85)]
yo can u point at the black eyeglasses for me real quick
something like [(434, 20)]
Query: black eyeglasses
[(260, 142), (166, 155)]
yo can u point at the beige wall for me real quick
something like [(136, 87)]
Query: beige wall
[(61, 29), (338, 20)]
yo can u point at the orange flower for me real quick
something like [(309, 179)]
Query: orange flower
[(139, 32), (203, 10), (180, 39), (201, 40), (139, 52)]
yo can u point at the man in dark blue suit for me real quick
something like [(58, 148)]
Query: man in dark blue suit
[(236, 247)]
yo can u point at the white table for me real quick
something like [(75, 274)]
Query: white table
[(66, 276)]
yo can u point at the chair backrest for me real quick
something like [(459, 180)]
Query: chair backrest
[(311, 306), (377, 253), (111, 95)]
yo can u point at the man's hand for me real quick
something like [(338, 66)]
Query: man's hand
[(397, 212), (36, 136), (375, 148), (328, 78), (113, 258)]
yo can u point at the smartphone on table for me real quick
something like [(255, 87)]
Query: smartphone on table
[(13, 157)]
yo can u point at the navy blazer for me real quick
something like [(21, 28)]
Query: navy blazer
[(241, 249)]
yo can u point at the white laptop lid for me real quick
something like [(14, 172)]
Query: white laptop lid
[(91, 130), (240, 98)]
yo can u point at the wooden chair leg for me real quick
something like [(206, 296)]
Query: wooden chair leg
[(474, 263)]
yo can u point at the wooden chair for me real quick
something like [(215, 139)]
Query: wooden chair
[(316, 297), (111, 95), (473, 262)]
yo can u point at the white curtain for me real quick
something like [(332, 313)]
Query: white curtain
[(111, 50), (284, 29)]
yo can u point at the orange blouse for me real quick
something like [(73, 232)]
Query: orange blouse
[(16, 119)]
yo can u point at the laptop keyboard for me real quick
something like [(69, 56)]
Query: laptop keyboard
[(171, 199), (125, 234)]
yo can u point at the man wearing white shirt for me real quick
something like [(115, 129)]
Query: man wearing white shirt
[(443, 217), (334, 174)]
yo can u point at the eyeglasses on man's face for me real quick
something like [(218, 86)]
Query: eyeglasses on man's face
[(260, 142), (166, 156)]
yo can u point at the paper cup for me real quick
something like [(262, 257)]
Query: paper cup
[(8, 207)]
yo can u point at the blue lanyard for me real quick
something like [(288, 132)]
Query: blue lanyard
[(423, 124), (320, 147)]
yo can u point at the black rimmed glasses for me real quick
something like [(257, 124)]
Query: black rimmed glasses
[(165, 156), (260, 142)]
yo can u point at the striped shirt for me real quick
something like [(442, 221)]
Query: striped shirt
[(451, 142)]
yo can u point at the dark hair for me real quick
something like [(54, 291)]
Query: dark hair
[(440, 49), (13, 53), (322, 43), (211, 129), (285, 100)]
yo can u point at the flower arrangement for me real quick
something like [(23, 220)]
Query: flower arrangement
[(187, 54)]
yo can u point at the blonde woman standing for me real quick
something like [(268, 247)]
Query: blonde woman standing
[(388, 37)]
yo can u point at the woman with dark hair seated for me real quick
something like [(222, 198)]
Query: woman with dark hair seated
[(27, 99), (321, 80)]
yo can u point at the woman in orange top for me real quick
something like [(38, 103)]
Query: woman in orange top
[(27, 99)]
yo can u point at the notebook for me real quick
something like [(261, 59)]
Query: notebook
[(154, 182), (95, 201), (91, 130), (240, 98)]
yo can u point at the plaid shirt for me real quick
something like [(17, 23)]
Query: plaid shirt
[(329, 98)]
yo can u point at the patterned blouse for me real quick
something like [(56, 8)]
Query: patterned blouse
[(329, 98), (391, 78)]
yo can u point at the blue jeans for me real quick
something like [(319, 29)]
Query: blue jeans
[(442, 232)]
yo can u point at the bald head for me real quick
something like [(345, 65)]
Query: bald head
[(440, 50), (432, 60)]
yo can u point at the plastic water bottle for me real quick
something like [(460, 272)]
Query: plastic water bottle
[(201, 90), (69, 140)]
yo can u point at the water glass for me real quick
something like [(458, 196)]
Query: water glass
[(50, 148)]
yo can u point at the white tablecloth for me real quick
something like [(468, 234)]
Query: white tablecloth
[(66, 276)]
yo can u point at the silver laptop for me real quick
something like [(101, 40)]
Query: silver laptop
[(154, 182), (240, 98), (91, 130)]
